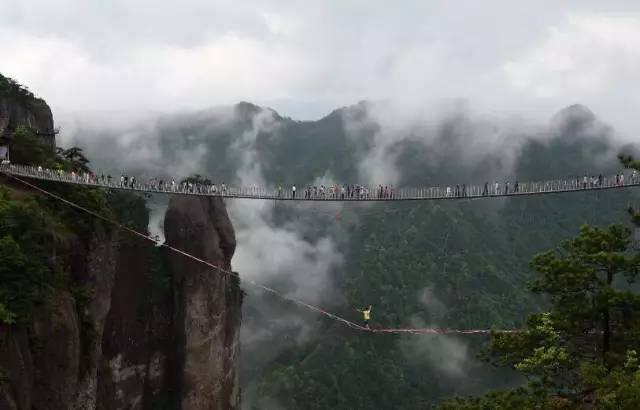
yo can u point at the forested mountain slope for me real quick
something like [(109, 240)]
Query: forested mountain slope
[(458, 265)]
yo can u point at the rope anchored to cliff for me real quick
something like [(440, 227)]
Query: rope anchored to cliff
[(298, 302)]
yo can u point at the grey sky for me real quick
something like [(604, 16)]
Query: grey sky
[(305, 58)]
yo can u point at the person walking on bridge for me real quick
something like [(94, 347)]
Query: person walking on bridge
[(366, 316), (293, 192)]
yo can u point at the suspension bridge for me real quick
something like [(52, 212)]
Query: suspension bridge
[(333, 192), (19, 172)]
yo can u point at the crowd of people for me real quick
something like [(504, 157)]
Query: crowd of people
[(555, 185), (332, 191), (345, 191)]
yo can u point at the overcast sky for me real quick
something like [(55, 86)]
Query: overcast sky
[(305, 58)]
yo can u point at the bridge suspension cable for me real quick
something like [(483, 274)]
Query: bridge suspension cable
[(332, 316), (334, 192)]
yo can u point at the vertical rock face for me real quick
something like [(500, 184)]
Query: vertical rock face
[(47, 366), (57, 363), (207, 305), (137, 336), (154, 329), (98, 275), (34, 113), (171, 337), (165, 329), (44, 378)]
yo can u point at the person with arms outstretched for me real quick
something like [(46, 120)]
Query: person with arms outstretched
[(366, 315)]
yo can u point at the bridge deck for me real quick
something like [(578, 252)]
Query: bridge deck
[(557, 186)]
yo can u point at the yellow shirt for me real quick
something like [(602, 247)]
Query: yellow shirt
[(366, 313)]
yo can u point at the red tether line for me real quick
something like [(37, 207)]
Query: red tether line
[(251, 282)]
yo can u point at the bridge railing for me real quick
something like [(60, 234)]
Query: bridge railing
[(331, 193)]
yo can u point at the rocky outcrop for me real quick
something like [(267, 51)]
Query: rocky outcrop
[(137, 336), (98, 275), (164, 329), (32, 112), (51, 364), (171, 335), (135, 327), (207, 305), (43, 365), (57, 358)]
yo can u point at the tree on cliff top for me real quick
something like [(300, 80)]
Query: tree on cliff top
[(11, 88), (4, 86)]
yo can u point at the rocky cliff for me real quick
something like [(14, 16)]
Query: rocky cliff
[(49, 364), (18, 107), (125, 324), (171, 339), (207, 303), (165, 329)]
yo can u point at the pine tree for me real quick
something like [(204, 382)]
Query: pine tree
[(583, 349), (591, 327), (593, 317)]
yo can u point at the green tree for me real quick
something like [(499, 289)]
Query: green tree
[(4, 86), (593, 321), (75, 158), (197, 179), (620, 388), (6, 317), (27, 148)]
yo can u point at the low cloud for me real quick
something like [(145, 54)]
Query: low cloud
[(267, 253), (132, 145), (280, 255), (449, 355), (452, 139), (446, 354), (137, 56)]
